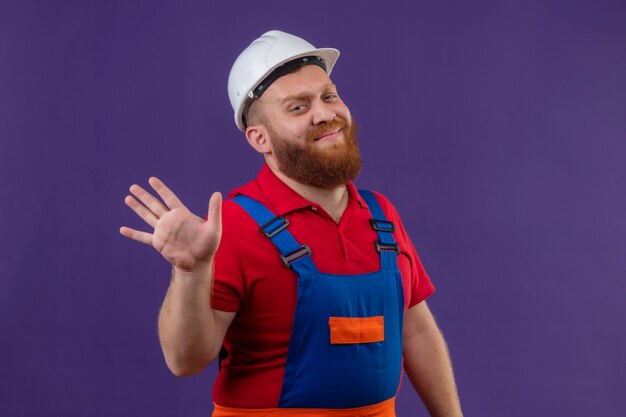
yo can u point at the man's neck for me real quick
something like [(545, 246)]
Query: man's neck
[(333, 201)]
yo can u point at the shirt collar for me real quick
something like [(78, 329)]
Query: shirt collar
[(271, 190)]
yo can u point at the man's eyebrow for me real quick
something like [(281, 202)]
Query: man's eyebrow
[(295, 97)]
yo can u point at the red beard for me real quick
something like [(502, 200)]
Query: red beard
[(325, 167)]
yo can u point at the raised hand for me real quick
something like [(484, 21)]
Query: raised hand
[(184, 239)]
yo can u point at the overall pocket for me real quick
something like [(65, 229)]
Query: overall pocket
[(357, 359)]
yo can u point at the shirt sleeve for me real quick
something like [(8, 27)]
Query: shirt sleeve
[(228, 273), (421, 285)]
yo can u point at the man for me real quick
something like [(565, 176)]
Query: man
[(316, 294)]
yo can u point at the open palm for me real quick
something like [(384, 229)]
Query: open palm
[(181, 237)]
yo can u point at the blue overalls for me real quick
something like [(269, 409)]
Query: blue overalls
[(345, 349)]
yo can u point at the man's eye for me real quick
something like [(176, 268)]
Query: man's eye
[(330, 96), (297, 108)]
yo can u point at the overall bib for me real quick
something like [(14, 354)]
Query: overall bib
[(345, 349)]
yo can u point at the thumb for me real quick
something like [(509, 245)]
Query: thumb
[(214, 216)]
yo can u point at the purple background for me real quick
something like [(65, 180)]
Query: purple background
[(496, 127)]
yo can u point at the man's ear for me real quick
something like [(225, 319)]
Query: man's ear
[(258, 138)]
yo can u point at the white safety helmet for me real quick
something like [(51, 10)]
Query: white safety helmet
[(259, 60)]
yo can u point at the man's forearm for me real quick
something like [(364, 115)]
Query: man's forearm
[(427, 364), (187, 325)]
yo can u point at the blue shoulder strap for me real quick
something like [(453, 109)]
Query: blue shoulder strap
[(293, 254), (386, 244)]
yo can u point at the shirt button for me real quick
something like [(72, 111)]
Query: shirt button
[(313, 208)]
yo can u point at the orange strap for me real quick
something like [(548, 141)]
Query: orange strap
[(347, 330), (383, 409)]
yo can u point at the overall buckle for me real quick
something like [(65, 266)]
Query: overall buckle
[(263, 229), (386, 246), (382, 225), (303, 251)]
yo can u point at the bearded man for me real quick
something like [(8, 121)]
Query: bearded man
[(316, 296)]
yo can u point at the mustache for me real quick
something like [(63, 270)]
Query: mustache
[(322, 128)]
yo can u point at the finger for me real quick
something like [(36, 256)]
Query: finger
[(166, 194), (133, 234), (214, 216), (141, 210), (149, 200)]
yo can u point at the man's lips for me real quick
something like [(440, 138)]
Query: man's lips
[(329, 135)]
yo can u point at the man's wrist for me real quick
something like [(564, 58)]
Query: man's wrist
[(198, 276)]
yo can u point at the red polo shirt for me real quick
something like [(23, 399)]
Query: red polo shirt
[(251, 279)]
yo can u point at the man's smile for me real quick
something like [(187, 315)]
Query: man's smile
[(329, 135)]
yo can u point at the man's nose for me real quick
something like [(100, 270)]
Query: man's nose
[(322, 113)]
